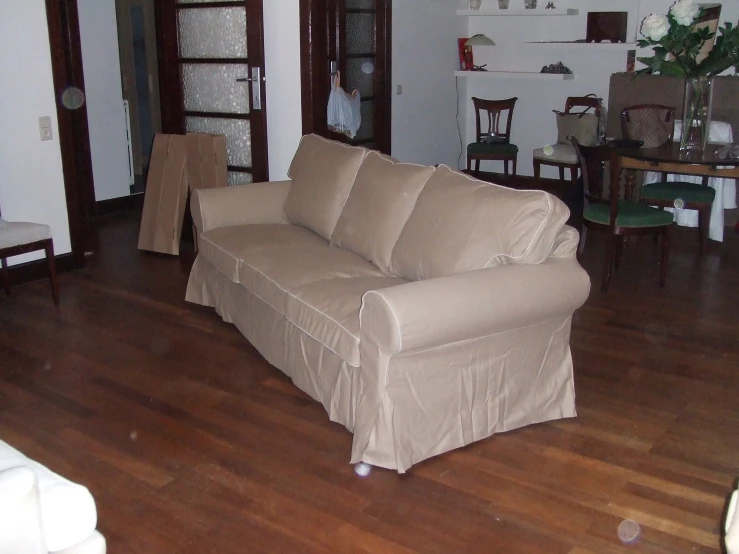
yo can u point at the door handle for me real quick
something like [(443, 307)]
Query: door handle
[(256, 87)]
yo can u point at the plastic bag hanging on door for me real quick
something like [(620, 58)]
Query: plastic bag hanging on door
[(344, 114)]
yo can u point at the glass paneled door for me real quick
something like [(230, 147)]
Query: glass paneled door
[(358, 51), (214, 57)]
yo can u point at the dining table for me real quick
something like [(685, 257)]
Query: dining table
[(715, 161)]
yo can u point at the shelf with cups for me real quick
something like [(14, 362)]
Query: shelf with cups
[(520, 12), (519, 74)]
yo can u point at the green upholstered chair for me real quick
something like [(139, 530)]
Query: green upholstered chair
[(614, 216), (493, 134), (655, 123)]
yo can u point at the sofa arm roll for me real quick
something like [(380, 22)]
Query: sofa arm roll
[(239, 205), (423, 314)]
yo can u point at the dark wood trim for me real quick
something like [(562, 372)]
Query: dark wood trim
[(39, 269), (258, 125), (74, 139), (223, 115), (312, 24), (383, 84), (114, 205), (165, 15)]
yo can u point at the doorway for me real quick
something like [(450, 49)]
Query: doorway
[(139, 82), (352, 37)]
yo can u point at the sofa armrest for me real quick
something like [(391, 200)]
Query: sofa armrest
[(239, 205), (433, 312)]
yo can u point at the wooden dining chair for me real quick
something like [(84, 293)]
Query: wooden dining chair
[(19, 238), (493, 120), (654, 125), (616, 217), (563, 154)]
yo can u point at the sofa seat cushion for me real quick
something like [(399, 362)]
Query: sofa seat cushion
[(323, 172), (379, 204), (328, 311), (68, 512), (225, 247), (273, 273), (461, 224)]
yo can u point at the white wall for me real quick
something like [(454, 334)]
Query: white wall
[(105, 115), (31, 182), (282, 69), (424, 57)]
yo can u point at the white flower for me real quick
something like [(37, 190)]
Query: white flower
[(685, 11), (655, 26)]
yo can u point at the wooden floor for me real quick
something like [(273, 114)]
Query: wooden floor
[(191, 443)]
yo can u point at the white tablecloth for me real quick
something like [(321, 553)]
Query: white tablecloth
[(720, 132)]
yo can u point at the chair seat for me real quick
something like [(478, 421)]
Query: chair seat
[(492, 149), (688, 192), (561, 153), (630, 214), (17, 233)]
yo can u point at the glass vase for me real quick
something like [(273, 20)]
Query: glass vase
[(696, 113)]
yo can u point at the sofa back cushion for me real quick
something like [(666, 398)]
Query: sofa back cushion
[(322, 174), (462, 224), (379, 204)]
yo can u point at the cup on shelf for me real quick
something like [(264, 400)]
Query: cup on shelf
[(503, 4), (474, 4), (530, 4)]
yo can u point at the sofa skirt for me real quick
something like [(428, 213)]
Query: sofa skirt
[(314, 369), (407, 408)]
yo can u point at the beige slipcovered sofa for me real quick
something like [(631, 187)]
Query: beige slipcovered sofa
[(424, 309)]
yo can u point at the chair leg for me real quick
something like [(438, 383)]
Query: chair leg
[(477, 167), (49, 249), (469, 164), (583, 237), (561, 173), (573, 176), (6, 276), (515, 159), (619, 251), (704, 218), (537, 169), (666, 236), (610, 254), (505, 167)]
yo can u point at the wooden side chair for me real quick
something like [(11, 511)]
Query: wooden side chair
[(563, 153), (615, 217), (654, 124), (493, 120), (18, 238)]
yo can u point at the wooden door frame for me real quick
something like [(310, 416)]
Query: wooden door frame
[(313, 70), (74, 139)]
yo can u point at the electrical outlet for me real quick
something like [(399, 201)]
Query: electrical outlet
[(44, 127)]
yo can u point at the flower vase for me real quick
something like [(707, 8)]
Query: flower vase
[(696, 113)]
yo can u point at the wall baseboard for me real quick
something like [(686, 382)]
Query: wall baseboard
[(39, 269), (131, 202)]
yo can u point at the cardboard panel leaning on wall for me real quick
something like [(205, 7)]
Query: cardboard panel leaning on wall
[(165, 196)]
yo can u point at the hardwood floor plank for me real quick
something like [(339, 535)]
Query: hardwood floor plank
[(191, 443)]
